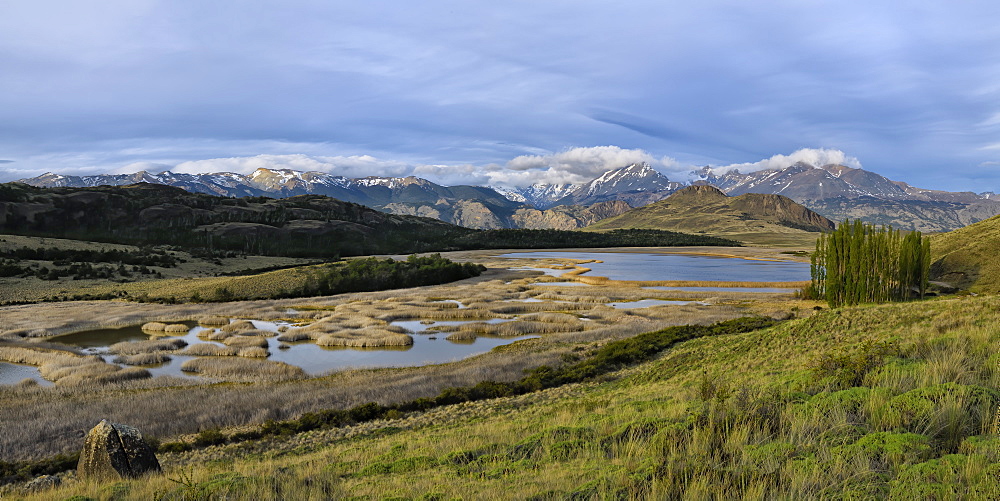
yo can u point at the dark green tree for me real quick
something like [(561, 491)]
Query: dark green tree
[(859, 263)]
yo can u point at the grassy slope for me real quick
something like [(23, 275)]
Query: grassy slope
[(966, 257), (709, 213), (191, 276), (724, 417)]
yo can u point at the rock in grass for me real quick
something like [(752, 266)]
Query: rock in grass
[(42, 483), (113, 451)]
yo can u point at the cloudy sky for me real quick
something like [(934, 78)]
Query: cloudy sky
[(509, 91)]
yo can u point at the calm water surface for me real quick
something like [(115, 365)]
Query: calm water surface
[(312, 358), (723, 289), (15, 373), (649, 267)]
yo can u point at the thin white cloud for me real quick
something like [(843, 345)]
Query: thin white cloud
[(347, 166), (576, 165), (813, 156), (141, 166)]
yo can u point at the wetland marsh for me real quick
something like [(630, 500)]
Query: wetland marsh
[(499, 324)]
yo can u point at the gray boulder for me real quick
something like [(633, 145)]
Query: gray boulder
[(113, 451)]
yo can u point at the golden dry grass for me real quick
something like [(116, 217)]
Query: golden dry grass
[(150, 346), (215, 335), (148, 401), (293, 335), (242, 369), (245, 341), (239, 325), (368, 337), (142, 359), (213, 321), (254, 352), (154, 327), (68, 369), (209, 350)]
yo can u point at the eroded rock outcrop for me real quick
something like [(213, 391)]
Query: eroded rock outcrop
[(113, 450)]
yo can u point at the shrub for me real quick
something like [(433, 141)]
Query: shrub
[(849, 369), (210, 436)]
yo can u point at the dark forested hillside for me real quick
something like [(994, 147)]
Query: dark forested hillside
[(300, 226), (306, 225)]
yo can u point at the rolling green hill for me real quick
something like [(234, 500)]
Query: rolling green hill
[(876, 402), (967, 257), (707, 210), (299, 226)]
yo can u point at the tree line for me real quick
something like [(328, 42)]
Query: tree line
[(862, 263)]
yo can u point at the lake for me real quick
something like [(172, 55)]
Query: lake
[(431, 348), (662, 267)]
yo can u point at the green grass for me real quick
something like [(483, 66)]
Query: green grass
[(893, 401), (966, 257)]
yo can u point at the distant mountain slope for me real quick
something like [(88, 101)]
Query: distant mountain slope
[(839, 192), (706, 209), (303, 225), (967, 257), (470, 206), (637, 184)]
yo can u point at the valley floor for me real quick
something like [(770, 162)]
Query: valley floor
[(896, 401)]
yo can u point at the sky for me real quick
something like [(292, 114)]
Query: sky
[(510, 92)]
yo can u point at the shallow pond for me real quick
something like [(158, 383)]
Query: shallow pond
[(724, 289), (652, 267), (312, 358), (15, 373), (645, 303)]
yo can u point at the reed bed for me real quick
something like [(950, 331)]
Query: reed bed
[(462, 314), (213, 321), (245, 342), (430, 304), (258, 332), (293, 335), (520, 328), (239, 325), (67, 369), (154, 327), (142, 359), (466, 335), (368, 337), (687, 283), (215, 335), (21, 355), (254, 352), (137, 347), (521, 308), (105, 377), (552, 317), (209, 350), (242, 369), (176, 329)]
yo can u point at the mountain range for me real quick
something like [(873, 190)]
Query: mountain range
[(834, 191), (704, 209)]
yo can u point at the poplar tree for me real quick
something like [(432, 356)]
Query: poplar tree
[(859, 263)]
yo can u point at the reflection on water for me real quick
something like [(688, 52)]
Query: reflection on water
[(724, 289), (645, 303), (649, 267), (312, 358), (548, 271), (15, 373), (422, 326)]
